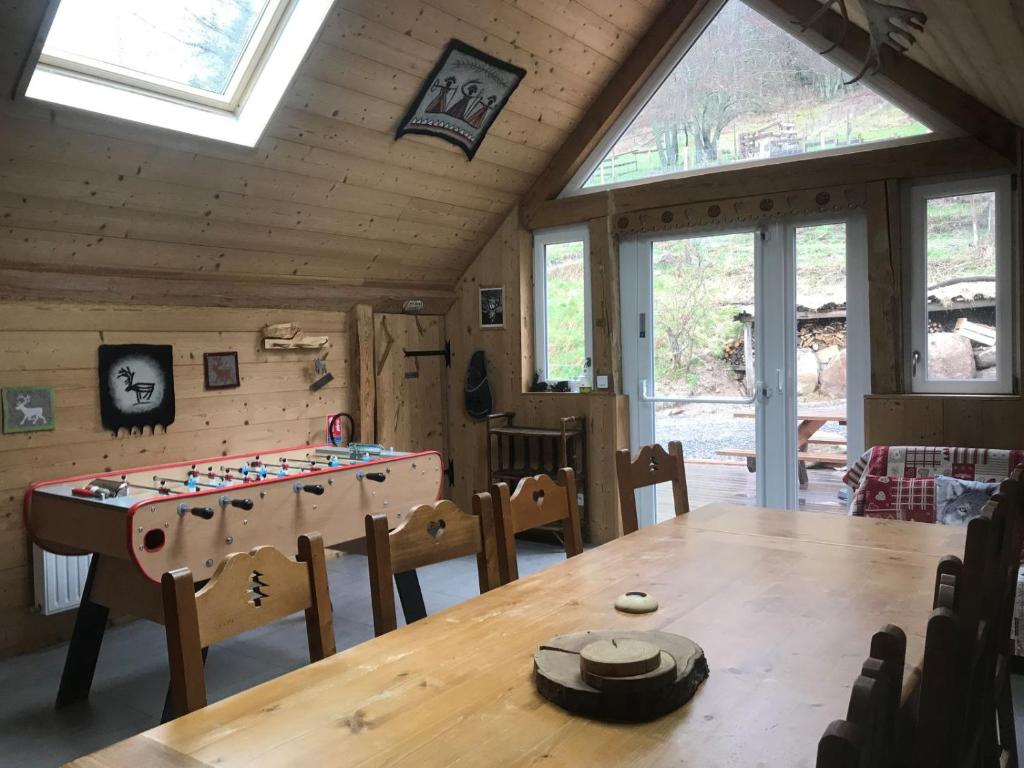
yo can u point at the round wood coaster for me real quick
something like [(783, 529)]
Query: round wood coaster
[(636, 602), (619, 657), (634, 698)]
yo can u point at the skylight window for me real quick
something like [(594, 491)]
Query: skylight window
[(745, 91), (214, 68)]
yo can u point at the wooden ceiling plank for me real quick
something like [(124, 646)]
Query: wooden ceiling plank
[(435, 27), (631, 16), (145, 194), (365, 76), (659, 41), (337, 103), (903, 80), (213, 178), (512, 25), (579, 22), (327, 133), (51, 248), (385, 45)]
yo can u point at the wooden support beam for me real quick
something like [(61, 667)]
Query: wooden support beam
[(915, 159), (22, 281), (882, 208), (604, 300), (903, 80), (364, 376), (659, 41)]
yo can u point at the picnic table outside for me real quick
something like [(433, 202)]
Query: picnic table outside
[(809, 423)]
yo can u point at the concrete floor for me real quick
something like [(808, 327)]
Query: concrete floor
[(131, 678)]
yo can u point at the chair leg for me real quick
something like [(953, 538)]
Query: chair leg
[(1007, 727), (169, 714)]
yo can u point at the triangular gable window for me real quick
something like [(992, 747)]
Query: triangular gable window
[(214, 68), (745, 91)]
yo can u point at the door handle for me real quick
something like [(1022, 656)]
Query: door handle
[(778, 374), (914, 360)]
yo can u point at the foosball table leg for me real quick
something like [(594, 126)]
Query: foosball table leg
[(84, 649), (411, 596)]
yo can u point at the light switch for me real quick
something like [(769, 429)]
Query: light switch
[(602, 382)]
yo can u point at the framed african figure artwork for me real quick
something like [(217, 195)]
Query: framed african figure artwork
[(461, 97), (220, 370), (492, 308), (27, 409)]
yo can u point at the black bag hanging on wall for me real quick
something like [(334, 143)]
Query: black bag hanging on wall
[(478, 392)]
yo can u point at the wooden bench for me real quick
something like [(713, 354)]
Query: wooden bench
[(823, 438), (803, 459)]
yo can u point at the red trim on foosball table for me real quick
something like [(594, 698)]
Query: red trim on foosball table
[(130, 511)]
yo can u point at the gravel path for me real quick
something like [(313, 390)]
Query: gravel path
[(705, 429)]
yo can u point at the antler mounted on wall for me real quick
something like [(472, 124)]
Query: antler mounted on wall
[(890, 25)]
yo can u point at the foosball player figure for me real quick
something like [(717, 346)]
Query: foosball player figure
[(192, 481)]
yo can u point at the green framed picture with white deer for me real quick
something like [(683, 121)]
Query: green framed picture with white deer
[(28, 409)]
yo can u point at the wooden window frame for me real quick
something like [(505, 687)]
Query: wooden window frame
[(541, 240), (917, 302), (251, 60)]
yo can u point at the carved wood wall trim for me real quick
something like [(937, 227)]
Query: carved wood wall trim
[(741, 210)]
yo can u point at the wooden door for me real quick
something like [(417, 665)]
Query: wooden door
[(410, 408)]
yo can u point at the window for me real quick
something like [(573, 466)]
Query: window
[(561, 293), (962, 287), (214, 68), (745, 90)]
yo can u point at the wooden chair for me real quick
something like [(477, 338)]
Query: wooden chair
[(432, 533), (868, 737), (651, 466), (248, 590), (537, 501), (965, 713)]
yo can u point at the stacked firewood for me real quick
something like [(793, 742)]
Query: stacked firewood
[(815, 336), (733, 352)]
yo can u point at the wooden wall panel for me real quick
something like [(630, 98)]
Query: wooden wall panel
[(506, 260), (969, 421), (56, 345)]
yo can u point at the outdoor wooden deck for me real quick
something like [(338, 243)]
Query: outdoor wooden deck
[(732, 483)]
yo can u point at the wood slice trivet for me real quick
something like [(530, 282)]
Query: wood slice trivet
[(633, 698)]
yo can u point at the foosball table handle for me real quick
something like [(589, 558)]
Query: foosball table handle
[(246, 504), (204, 512), (316, 490)]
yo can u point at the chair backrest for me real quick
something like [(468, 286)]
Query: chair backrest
[(248, 590), (867, 738), (652, 465), (968, 638), (537, 501), (431, 533)]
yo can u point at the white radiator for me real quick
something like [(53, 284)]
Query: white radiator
[(59, 580)]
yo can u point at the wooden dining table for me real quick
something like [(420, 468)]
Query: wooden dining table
[(783, 603)]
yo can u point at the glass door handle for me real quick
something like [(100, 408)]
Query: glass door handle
[(914, 360)]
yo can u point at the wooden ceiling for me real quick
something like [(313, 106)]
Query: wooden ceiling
[(329, 208), (977, 46), (328, 200)]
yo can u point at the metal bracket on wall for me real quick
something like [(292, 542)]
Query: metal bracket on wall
[(446, 353)]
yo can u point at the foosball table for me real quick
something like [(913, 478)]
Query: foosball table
[(140, 523)]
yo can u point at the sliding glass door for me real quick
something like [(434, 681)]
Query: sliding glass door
[(750, 347)]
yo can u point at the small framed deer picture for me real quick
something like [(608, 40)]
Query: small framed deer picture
[(28, 409), (220, 370)]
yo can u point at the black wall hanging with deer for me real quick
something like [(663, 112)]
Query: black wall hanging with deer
[(136, 386)]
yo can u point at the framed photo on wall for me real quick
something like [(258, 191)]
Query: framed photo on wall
[(220, 370), (492, 308)]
